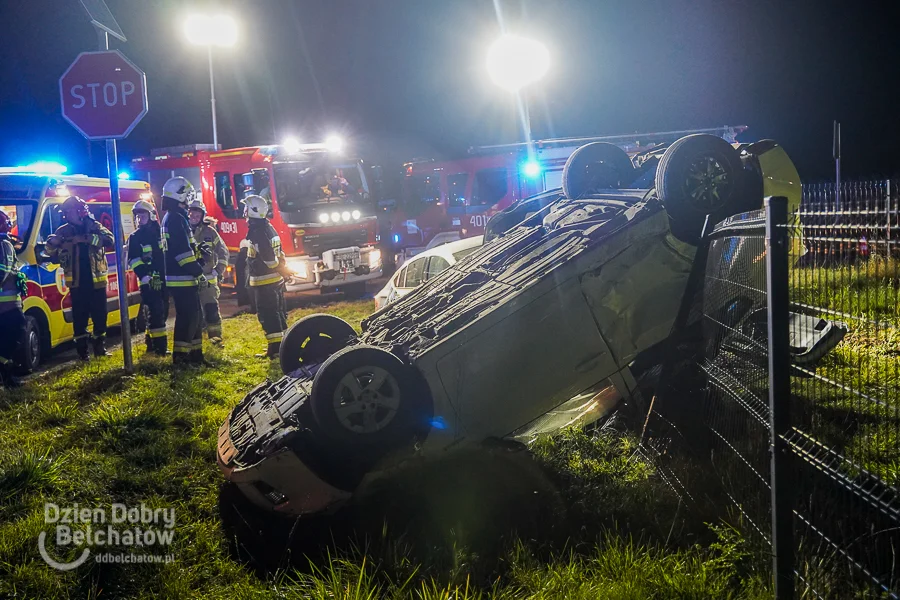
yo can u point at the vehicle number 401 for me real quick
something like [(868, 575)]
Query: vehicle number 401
[(478, 220)]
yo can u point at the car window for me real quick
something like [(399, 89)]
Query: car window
[(458, 256), (436, 264), (415, 273), (456, 191), (400, 279), (489, 187)]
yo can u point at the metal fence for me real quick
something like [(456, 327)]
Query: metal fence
[(783, 382)]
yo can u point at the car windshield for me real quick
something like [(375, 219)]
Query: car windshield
[(301, 184), (22, 216)]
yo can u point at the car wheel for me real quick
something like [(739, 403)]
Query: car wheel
[(364, 395), (596, 166), (313, 339), (699, 175), (32, 348)]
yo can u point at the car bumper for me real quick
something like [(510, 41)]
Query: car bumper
[(279, 483), (340, 280)]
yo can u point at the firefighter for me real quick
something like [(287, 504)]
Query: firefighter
[(214, 258), (184, 275), (79, 246), (146, 259), (268, 271), (12, 319)]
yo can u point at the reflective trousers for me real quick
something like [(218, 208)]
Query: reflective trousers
[(188, 337), (155, 304), (209, 299), (272, 315), (88, 303), (12, 331)]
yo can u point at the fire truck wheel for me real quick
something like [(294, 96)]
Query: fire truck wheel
[(699, 175), (596, 166), (366, 396), (313, 339)]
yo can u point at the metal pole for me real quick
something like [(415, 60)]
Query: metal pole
[(836, 152), (212, 97), (777, 244), (112, 166)]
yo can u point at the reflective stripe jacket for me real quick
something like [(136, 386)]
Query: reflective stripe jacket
[(205, 233), (145, 254), (265, 259), (62, 248), (182, 268), (9, 292)]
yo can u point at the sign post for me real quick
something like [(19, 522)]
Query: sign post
[(104, 96)]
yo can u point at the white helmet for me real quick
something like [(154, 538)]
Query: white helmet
[(179, 189), (197, 204), (145, 206), (255, 207)]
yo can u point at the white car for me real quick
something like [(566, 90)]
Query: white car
[(425, 266)]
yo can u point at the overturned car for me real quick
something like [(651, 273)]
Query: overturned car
[(548, 324)]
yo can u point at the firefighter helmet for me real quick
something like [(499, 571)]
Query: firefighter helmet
[(197, 204), (146, 206), (5, 222), (255, 207), (179, 189), (74, 202)]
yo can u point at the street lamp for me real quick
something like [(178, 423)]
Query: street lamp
[(209, 31), (513, 63)]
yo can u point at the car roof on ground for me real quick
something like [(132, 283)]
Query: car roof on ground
[(451, 248)]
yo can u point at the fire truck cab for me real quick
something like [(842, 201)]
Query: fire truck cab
[(319, 205), (441, 201)]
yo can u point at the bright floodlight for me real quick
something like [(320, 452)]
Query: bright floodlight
[(124, 175), (206, 30), (531, 169), (334, 143), (291, 145), (514, 62), (45, 167)]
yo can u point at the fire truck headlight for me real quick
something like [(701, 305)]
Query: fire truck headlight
[(345, 215), (355, 214), (298, 267), (336, 217), (374, 259), (324, 217)]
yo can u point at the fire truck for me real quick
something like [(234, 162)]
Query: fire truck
[(319, 205), (448, 200)]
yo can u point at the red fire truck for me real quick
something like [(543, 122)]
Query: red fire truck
[(443, 201), (320, 206)]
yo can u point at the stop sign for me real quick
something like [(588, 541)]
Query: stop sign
[(103, 95)]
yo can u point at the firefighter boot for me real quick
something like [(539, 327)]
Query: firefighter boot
[(100, 346), (7, 374), (81, 346), (159, 346), (214, 331)]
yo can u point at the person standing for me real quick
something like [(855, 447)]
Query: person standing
[(146, 259), (214, 259), (12, 319), (184, 276), (268, 271), (79, 246)]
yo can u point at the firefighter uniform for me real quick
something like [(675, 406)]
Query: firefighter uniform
[(214, 259), (146, 259), (184, 276), (80, 249), (12, 319), (267, 270)]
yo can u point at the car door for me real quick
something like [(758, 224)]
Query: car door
[(411, 276)]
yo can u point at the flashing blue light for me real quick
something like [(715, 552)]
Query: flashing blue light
[(124, 175), (531, 169), (46, 167), (396, 238), (438, 423)]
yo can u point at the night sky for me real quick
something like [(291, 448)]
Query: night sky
[(406, 78)]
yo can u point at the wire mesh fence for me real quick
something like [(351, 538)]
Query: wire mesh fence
[(826, 406)]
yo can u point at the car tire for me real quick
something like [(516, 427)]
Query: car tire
[(32, 345), (359, 413), (594, 167), (699, 175), (312, 339)]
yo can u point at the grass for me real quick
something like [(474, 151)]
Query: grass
[(583, 516)]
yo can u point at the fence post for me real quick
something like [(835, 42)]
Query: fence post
[(777, 245)]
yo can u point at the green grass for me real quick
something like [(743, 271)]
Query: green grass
[(585, 517), (867, 297)]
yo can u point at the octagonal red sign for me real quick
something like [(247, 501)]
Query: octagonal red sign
[(103, 95)]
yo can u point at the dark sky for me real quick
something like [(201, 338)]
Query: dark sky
[(406, 78)]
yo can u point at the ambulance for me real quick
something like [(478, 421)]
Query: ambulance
[(32, 200)]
